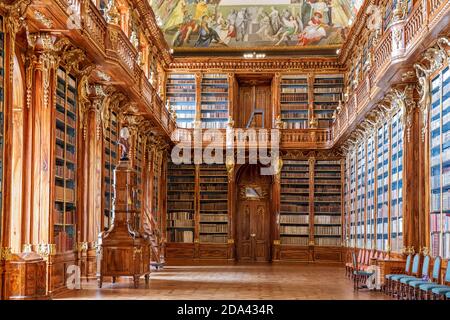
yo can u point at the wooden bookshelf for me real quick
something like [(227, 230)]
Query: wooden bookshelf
[(327, 203), (360, 195), (181, 203), (352, 198), (294, 101), (294, 201), (64, 210), (181, 96), (370, 189), (214, 109), (155, 195), (439, 163), (328, 91), (382, 186), (213, 227), (111, 158), (396, 183), (138, 166)]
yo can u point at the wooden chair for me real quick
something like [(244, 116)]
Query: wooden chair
[(359, 276), (435, 290), (349, 264), (435, 279), (395, 280), (388, 286), (406, 291)]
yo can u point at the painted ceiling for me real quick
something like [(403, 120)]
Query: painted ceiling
[(192, 25)]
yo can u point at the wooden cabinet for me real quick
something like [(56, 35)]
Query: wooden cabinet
[(27, 277), (123, 250)]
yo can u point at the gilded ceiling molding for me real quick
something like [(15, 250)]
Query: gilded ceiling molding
[(256, 66), (43, 19)]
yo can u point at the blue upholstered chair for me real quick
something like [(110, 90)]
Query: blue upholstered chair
[(447, 296), (359, 276), (420, 293), (395, 279), (439, 289), (388, 286)]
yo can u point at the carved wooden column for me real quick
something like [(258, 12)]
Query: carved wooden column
[(275, 222), (231, 250), (312, 163), (276, 100)]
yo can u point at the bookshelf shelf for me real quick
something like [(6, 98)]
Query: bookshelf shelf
[(111, 158), (328, 91), (214, 101), (64, 209), (327, 203), (213, 182), (181, 96), (294, 101), (439, 137), (181, 203)]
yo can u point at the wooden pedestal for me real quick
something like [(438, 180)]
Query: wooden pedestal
[(123, 251), (27, 277)]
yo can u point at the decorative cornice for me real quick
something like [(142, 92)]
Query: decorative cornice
[(236, 64)]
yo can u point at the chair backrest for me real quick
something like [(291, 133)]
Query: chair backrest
[(426, 266), (366, 257), (436, 275), (415, 265), (360, 255), (408, 264), (354, 261), (447, 273)]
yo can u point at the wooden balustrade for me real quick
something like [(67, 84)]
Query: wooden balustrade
[(383, 51), (414, 24), (362, 95), (95, 25)]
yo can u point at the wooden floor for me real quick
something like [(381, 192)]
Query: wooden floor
[(241, 281)]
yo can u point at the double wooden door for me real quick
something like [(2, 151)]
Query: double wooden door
[(253, 230)]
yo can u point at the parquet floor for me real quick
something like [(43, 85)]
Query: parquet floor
[(241, 281)]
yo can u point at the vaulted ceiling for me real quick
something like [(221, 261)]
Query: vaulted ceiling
[(199, 27)]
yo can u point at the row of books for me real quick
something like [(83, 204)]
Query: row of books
[(330, 81), (286, 174), (296, 81), (180, 223), (333, 242), (180, 196), (294, 90), (322, 181), (216, 180), (60, 134), (185, 179), (183, 108), (326, 189), (213, 228), (64, 241), (184, 236), (287, 207), (323, 107), (216, 98), (295, 230), (64, 194), (327, 230), (64, 217), (213, 238), (182, 99), (67, 174), (321, 116), (294, 190), (294, 106), (296, 125), (294, 97), (212, 107), (219, 90), (69, 105), (180, 215), (327, 219), (327, 98), (174, 88), (295, 115), (181, 187), (327, 208), (222, 206), (298, 241), (328, 90), (177, 205), (214, 187), (294, 219), (297, 198), (327, 198), (220, 124), (215, 196), (205, 217), (212, 115), (59, 152)]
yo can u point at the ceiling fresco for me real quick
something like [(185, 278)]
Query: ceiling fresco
[(257, 24)]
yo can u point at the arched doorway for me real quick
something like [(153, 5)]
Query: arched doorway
[(253, 215)]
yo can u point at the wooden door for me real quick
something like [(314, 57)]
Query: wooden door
[(253, 238), (253, 216), (251, 98)]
